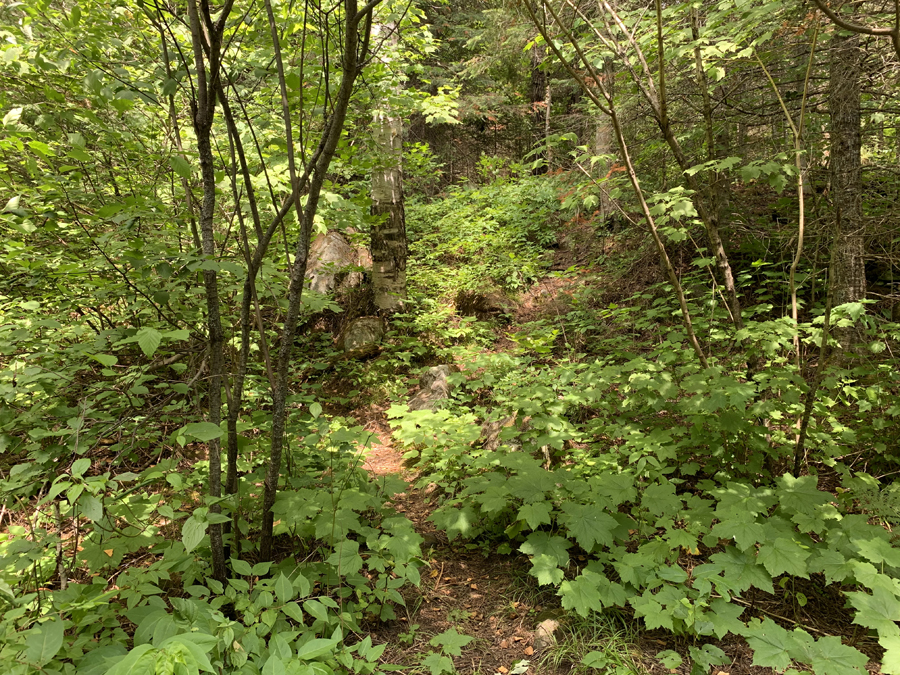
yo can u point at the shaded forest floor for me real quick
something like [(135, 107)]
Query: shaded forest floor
[(469, 587)]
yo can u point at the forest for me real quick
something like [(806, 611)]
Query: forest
[(490, 337)]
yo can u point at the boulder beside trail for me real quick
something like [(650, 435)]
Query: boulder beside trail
[(362, 334), (490, 433), (334, 262), (434, 388)]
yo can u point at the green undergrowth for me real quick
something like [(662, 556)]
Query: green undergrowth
[(599, 642), (137, 594), (641, 481), (493, 238)]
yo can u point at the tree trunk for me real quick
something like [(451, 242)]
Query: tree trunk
[(203, 111), (355, 44), (540, 105), (847, 264), (388, 236)]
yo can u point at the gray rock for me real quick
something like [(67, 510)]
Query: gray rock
[(490, 432), (362, 333), (334, 262), (433, 389), (545, 634)]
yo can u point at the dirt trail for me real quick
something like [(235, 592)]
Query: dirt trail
[(488, 597)]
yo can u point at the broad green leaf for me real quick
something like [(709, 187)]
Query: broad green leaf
[(315, 409), (589, 524), (107, 360), (284, 589), (670, 659), (745, 533), (292, 609), (616, 487), (784, 556), (890, 663), (581, 594), (595, 660), (202, 431), (79, 155), (455, 522), (536, 514), (770, 644), (148, 340), (531, 486), (43, 642), (41, 148), (316, 609), (91, 507), (279, 646), (79, 466), (241, 567), (831, 657), (192, 533), (301, 583), (742, 570), (879, 551), (198, 644), (653, 613), (346, 557), (542, 543), (880, 611), (180, 166), (801, 494), (544, 568), (832, 564), (437, 664), (13, 116), (274, 666), (726, 617), (135, 662), (316, 648), (660, 500)]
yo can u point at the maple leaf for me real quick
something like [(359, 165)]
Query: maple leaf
[(890, 662), (879, 551), (544, 567), (831, 657), (784, 556), (742, 570), (801, 494), (879, 611), (770, 643), (542, 543), (581, 594), (536, 514), (589, 524)]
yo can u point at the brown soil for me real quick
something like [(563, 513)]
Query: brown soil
[(480, 594)]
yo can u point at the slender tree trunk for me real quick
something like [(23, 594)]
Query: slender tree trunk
[(847, 263), (540, 101), (203, 109), (388, 235), (355, 46)]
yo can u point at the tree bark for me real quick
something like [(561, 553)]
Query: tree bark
[(203, 109), (848, 253), (388, 234), (540, 105)]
